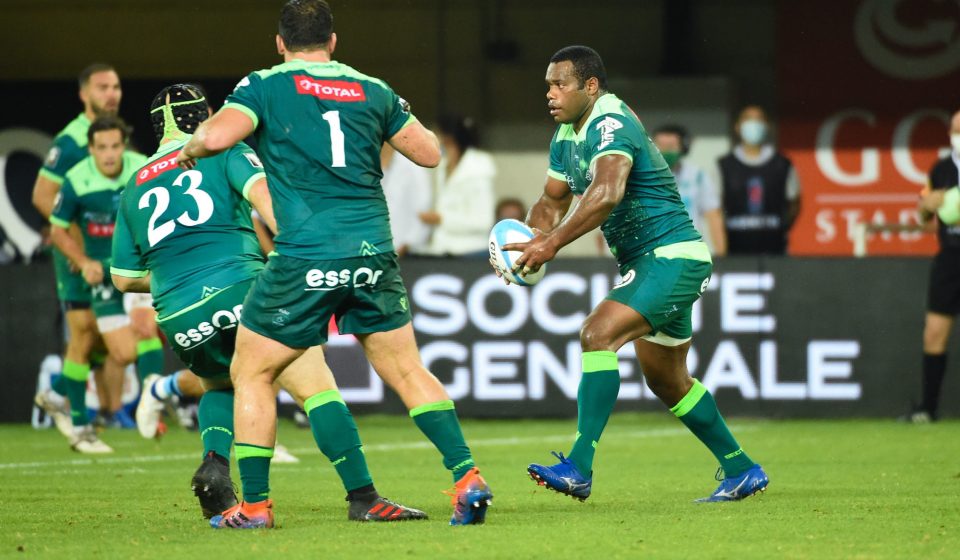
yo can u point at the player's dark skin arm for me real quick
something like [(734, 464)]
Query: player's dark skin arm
[(601, 197), (552, 206)]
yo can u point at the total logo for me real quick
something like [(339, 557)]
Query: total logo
[(318, 280), (222, 320), (334, 90)]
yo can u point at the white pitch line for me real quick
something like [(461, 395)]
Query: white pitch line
[(381, 447)]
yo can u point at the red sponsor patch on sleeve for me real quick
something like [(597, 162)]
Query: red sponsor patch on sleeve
[(158, 167), (333, 90)]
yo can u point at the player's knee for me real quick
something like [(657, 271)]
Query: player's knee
[(594, 338)]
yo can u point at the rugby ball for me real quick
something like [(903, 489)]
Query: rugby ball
[(503, 233)]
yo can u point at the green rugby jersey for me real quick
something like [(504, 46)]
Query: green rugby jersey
[(191, 230), (651, 213), (319, 129), (91, 200), (69, 147)]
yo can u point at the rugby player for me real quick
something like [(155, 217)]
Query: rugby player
[(319, 126), (89, 197), (100, 92), (602, 154), (187, 237)]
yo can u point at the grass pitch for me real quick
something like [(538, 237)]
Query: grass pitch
[(839, 489)]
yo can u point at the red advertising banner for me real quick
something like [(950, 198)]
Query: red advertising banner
[(866, 89)]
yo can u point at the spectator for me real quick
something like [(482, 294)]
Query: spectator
[(943, 292), (463, 210), (698, 192), (761, 193), (510, 209), (406, 186)]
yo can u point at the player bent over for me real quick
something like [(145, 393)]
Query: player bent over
[(187, 235), (601, 153), (320, 125), (89, 197)]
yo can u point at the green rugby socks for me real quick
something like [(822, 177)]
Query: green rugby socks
[(149, 357), (254, 464), (337, 437), (438, 421), (596, 398), (75, 384), (215, 419), (698, 412)]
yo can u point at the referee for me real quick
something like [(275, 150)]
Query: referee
[(943, 294)]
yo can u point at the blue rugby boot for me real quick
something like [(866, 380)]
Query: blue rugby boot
[(470, 497), (562, 477), (733, 488)]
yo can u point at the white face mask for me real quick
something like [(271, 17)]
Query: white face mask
[(955, 142), (752, 131)]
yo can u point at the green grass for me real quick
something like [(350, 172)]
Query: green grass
[(839, 489)]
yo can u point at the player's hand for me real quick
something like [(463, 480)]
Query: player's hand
[(92, 271), (496, 270), (185, 161), (536, 252), (931, 200)]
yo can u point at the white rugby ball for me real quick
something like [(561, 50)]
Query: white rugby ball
[(503, 233)]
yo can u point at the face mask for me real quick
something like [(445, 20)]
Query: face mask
[(752, 131), (955, 142), (671, 158)]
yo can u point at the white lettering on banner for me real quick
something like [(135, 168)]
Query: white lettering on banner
[(826, 151), (827, 225), (457, 353), (826, 155), (902, 157), (541, 363), (545, 317), (494, 363), (830, 359), (736, 301), (770, 387), (512, 321), (729, 369), (493, 369), (437, 293)]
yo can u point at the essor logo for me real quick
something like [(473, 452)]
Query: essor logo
[(99, 230), (318, 280), (333, 90), (220, 321), (922, 49), (156, 168)]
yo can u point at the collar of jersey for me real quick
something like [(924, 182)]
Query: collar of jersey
[(165, 149), (567, 132)]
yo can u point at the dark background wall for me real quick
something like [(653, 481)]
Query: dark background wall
[(482, 57)]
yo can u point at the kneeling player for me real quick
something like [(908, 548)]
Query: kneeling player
[(187, 235)]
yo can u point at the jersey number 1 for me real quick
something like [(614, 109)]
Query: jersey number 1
[(336, 139), (155, 232)]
